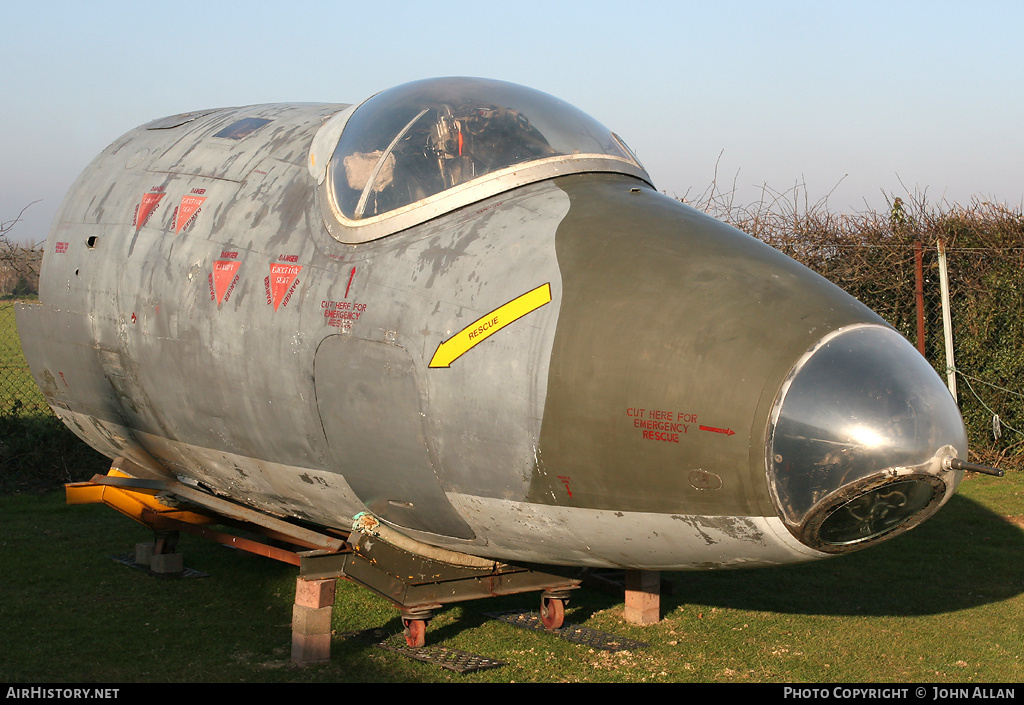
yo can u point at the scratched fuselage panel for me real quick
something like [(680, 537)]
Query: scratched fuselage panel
[(216, 294), (134, 247), (213, 360)]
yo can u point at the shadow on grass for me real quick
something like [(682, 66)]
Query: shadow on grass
[(963, 557), (958, 560)]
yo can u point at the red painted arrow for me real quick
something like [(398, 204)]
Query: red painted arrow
[(726, 431)]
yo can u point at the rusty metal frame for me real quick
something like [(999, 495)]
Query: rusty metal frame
[(153, 504), (415, 583)]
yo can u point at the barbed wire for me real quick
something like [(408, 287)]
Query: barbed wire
[(997, 422), (981, 381)]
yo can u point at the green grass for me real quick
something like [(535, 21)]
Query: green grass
[(944, 603)]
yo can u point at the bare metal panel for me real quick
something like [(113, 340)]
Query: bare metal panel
[(370, 402)]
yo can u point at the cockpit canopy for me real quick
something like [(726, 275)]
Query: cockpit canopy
[(422, 149)]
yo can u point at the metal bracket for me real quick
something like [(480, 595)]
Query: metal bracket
[(416, 582)]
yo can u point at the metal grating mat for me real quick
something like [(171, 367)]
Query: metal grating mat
[(570, 632), (452, 659), (128, 559)]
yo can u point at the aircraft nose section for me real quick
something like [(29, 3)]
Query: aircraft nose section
[(860, 439)]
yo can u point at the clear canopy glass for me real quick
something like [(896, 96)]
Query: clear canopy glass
[(409, 143), (861, 432)]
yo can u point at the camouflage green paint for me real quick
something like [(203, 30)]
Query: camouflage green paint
[(676, 324)]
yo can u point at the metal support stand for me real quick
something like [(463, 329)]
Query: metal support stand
[(643, 597), (311, 621), (417, 578), (419, 584)]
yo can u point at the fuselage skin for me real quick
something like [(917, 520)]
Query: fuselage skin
[(197, 318)]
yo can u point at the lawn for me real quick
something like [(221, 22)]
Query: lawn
[(944, 604)]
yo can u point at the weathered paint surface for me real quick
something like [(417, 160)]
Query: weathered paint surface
[(576, 371), (676, 360)]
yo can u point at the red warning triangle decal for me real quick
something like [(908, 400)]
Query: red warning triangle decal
[(282, 277), (189, 206), (223, 275), (146, 208)]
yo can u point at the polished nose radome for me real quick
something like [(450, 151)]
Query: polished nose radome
[(860, 441)]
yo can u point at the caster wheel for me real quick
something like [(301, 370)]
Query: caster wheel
[(552, 612), (415, 632)]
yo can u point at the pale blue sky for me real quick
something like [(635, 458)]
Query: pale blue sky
[(877, 97)]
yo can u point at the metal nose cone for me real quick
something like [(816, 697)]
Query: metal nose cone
[(860, 438)]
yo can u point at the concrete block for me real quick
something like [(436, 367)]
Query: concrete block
[(643, 597), (311, 620), (144, 553), (315, 593), (308, 649), (167, 563)]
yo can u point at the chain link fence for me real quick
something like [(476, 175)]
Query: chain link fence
[(19, 280), (37, 452), (18, 391)]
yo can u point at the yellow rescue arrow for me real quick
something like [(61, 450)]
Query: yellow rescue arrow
[(486, 326)]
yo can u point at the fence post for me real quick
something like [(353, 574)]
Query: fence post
[(919, 290), (947, 323)]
